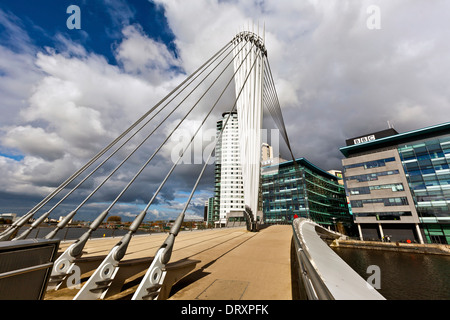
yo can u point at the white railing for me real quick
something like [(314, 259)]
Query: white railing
[(323, 275)]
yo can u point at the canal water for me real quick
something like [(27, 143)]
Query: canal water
[(403, 276)]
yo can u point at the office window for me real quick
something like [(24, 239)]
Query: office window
[(401, 201), (367, 190), (371, 176), (370, 164)]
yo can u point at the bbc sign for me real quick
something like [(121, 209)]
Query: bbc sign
[(364, 139), (371, 136)]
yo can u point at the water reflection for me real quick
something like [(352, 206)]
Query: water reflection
[(406, 276)]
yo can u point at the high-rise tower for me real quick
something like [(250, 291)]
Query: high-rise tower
[(228, 191)]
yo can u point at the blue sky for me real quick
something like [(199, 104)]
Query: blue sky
[(101, 22), (335, 77)]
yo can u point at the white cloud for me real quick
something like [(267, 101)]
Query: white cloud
[(33, 175), (35, 142), (18, 74), (86, 101), (145, 57), (201, 27), (13, 33)]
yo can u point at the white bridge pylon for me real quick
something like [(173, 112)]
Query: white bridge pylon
[(250, 111)]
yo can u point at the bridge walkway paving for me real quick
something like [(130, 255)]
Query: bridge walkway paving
[(234, 263)]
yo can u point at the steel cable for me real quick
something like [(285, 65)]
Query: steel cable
[(104, 213)]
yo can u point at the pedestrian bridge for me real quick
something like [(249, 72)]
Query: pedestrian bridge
[(279, 262), (232, 264)]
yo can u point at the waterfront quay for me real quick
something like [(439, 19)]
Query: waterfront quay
[(431, 248)]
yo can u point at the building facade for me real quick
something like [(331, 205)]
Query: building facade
[(228, 188), (266, 152), (303, 191), (209, 210), (399, 185)]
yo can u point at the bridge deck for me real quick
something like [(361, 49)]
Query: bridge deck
[(235, 264)]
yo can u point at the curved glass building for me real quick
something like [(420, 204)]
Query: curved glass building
[(290, 191)]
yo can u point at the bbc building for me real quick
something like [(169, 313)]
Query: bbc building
[(398, 184)]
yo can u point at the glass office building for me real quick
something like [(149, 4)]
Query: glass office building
[(426, 166), (307, 191), (399, 184)]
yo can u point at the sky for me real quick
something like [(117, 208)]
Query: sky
[(341, 68)]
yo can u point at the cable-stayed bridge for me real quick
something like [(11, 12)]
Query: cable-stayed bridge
[(242, 66)]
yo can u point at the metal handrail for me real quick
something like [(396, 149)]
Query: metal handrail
[(313, 285), (17, 272), (322, 273)]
